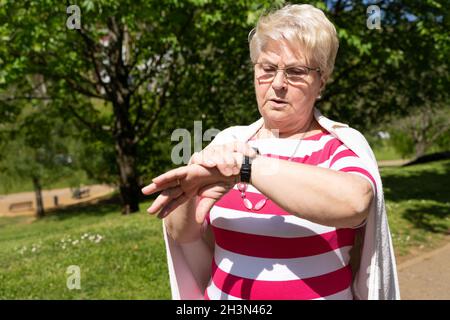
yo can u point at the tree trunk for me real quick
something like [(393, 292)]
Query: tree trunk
[(126, 152), (421, 147), (129, 186), (39, 203)]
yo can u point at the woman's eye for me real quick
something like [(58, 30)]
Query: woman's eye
[(269, 69), (297, 72)]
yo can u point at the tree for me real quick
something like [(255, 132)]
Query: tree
[(418, 132), (132, 55), (392, 71), (135, 70), (36, 148)]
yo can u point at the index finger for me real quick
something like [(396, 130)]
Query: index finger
[(153, 187), (171, 176)]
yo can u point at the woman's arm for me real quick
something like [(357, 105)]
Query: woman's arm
[(181, 224), (321, 195)]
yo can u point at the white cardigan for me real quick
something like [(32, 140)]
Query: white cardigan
[(377, 275)]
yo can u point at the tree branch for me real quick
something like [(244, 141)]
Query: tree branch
[(94, 128), (91, 49), (161, 101)]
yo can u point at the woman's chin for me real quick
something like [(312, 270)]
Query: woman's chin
[(276, 116)]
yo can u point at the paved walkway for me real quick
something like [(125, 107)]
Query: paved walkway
[(392, 163), (64, 198), (426, 277)]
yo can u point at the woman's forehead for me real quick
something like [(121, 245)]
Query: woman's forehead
[(282, 52)]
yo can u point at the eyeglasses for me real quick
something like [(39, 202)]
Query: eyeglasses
[(266, 72)]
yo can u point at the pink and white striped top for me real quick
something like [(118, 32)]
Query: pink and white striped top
[(271, 254)]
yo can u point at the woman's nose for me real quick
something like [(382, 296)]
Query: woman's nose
[(279, 81)]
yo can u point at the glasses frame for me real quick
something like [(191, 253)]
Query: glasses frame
[(286, 78)]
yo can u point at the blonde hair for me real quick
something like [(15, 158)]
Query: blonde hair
[(301, 25)]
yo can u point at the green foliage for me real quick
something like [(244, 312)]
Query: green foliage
[(386, 73), (403, 143), (172, 62)]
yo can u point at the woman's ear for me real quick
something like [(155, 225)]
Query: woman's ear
[(323, 82)]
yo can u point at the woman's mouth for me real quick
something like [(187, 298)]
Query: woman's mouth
[(278, 103)]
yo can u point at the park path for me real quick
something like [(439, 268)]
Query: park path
[(64, 196), (427, 276)]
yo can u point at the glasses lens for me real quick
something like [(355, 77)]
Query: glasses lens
[(265, 72), (296, 74)]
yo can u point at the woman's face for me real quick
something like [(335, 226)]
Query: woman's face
[(282, 104)]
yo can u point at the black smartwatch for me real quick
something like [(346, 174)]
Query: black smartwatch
[(246, 168)]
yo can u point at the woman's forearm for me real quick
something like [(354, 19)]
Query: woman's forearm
[(181, 224), (317, 194)]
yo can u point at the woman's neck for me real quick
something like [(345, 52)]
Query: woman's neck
[(307, 128)]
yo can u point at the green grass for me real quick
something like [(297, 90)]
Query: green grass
[(130, 262), (418, 205), (385, 152)]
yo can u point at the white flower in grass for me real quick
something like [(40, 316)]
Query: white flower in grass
[(91, 238), (98, 239), (75, 242)]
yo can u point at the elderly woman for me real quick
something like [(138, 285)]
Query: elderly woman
[(289, 207)]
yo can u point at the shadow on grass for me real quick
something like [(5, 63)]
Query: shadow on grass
[(429, 217), (99, 208), (424, 184)]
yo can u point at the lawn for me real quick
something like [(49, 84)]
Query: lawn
[(418, 205), (123, 257), (120, 257)]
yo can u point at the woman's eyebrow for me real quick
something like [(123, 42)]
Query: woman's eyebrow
[(268, 62), (289, 65)]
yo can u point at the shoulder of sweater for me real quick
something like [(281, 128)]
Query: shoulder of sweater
[(352, 136)]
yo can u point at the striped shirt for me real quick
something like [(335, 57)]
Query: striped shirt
[(272, 254)]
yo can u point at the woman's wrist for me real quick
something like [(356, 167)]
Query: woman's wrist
[(245, 174)]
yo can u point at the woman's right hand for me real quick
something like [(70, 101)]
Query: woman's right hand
[(223, 157)]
